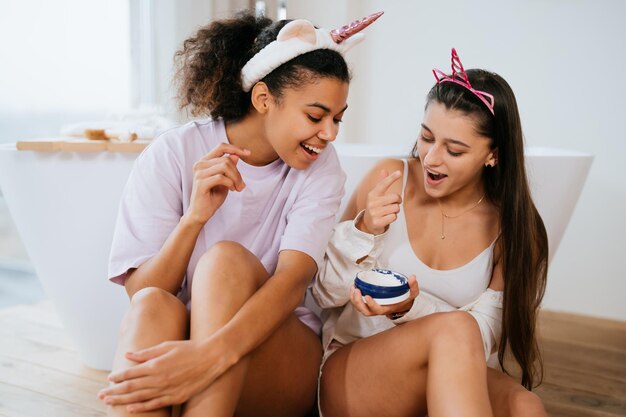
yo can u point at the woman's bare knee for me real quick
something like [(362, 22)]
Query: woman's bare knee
[(152, 304), (513, 400), (523, 403), (510, 399), (225, 251), (154, 316), (233, 265), (458, 331), (154, 300)]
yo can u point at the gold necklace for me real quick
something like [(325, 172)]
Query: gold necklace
[(446, 216)]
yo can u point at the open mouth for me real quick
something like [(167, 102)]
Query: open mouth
[(312, 150), (435, 176)]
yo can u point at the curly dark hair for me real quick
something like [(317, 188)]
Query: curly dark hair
[(208, 67)]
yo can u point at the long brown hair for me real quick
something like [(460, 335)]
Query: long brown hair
[(523, 237)]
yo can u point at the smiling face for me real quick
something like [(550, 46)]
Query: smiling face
[(303, 121), (453, 154)]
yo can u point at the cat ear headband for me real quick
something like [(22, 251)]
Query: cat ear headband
[(460, 77), (299, 37)]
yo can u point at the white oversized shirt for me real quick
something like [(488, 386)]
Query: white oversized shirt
[(280, 207)]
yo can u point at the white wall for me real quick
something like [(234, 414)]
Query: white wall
[(564, 59), (64, 56)]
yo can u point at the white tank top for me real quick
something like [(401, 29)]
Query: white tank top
[(457, 287)]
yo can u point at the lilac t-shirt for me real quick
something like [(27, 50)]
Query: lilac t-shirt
[(280, 207)]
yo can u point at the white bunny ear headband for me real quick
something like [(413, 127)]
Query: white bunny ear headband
[(299, 37)]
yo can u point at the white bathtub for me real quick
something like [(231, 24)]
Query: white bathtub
[(64, 206)]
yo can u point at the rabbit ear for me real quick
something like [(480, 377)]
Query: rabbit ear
[(301, 29)]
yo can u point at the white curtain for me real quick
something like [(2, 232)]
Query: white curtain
[(158, 29)]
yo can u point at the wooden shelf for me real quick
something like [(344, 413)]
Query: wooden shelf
[(80, 145)]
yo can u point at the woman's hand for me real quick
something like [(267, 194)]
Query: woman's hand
[(167, 374), (368, 307), (213, 177), (382, 205)]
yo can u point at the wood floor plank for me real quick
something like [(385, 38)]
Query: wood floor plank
[(20, 402), (36, 332), (42, 313), (583, 331), (579, 401), (588, 360), (582, 320), (25, 345), (59, 385), (62, 360), (566, 410), (595, 383)]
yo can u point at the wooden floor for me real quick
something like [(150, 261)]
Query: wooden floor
[(585, 365), (41, 374)]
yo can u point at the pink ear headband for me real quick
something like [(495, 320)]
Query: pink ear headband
[(299, 37), (460, 77)]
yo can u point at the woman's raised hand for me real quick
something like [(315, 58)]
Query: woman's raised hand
[(368, 307), (382, 205), (213, 177)]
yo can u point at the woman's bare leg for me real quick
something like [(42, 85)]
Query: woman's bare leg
[(434, 364), (278, 378), (154, 316), (510, 399), (282, 374)]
